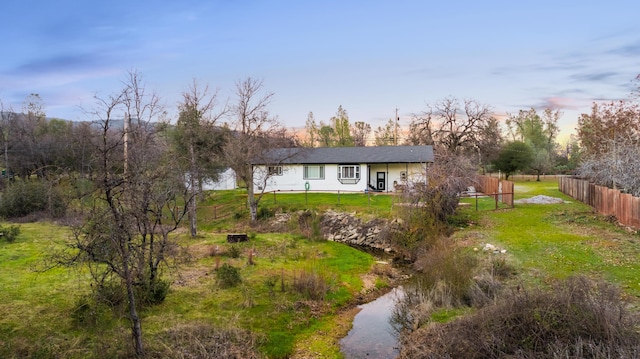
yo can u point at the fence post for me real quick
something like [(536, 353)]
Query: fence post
[(369, 198), (338, 196), (476, 202), (496, 197)]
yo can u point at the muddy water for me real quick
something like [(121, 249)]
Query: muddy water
[(372, 335)]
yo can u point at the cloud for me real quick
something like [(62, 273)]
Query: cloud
[(596, 76), (628, 50), (60, 63), (561, 103)]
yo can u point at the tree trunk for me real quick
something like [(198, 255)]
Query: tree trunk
[(136, 325), (193, 220), (251, 201)]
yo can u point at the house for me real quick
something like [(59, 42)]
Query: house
[(380, 169), (226, 180)]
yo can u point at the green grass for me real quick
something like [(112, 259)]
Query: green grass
[(221, 208), (36, 307), (557, 240), (542, 241)]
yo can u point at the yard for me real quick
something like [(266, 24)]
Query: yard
[(41, 311)]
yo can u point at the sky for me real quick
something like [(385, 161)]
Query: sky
[(370, 57)]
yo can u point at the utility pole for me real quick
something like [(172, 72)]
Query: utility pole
[(127, 128), (395, 137)]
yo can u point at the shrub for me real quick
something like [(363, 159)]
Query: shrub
[(228, 276), (311, 284), (234, 251), (265, 212), (86, 312), (153, 292), (10, 233), (22, 198), (308, 224), (110, 293), (501, 268), (445, 269), (577, 318), (270, 284)]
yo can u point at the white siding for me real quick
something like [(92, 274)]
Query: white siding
[(226, 180), (292, 178)]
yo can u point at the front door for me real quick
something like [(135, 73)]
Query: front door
[(380, 181)]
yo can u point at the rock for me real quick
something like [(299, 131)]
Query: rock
[(347, 228)]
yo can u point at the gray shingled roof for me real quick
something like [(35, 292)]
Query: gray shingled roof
[(382, 154)]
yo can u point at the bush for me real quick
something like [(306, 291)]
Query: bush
[(265, 213), (577, 318), (234, 251), (228, 276), (111, 294), (445, 269), (86, 312), (11, 233), (311, 284), (22, 198), (154, 292)]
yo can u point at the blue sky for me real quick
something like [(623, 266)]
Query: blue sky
[(371, 56)]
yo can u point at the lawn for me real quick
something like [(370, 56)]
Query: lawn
[(556, 240), (38, 309)]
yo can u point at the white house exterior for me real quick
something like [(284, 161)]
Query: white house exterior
[(226, 180), (355, 169)]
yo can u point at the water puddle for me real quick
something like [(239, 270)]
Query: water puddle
[(372, 335)]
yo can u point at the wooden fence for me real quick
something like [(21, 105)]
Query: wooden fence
[(607, 201), (496, 187)]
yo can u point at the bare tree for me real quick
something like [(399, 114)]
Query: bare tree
[(489, 142), (617, 168), (199, 141), (421, 130), (457, 128), (450, 126), (7, 118), (607, 124), (438, 194), (139, 200), (252, 134)]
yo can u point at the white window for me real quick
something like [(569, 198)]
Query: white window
[(312, 172), (275, 170), (349, 174)]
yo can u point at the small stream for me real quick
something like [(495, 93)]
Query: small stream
[(372, 335)]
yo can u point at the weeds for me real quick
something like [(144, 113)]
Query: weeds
[(576, 318), (202, 341), (311, 284)]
